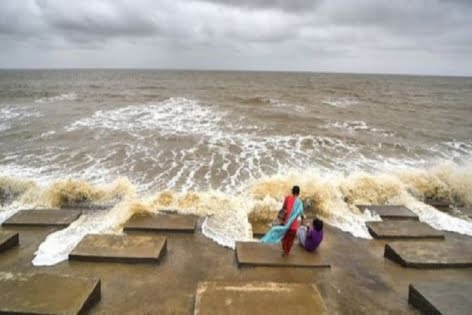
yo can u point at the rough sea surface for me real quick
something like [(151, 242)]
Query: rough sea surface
[(228, 145)]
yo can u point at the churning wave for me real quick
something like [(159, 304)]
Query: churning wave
[(224, 170), (174, 116), (331, 195), (218, 152)]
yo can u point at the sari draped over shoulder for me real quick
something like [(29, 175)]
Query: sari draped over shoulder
[(276, 233)]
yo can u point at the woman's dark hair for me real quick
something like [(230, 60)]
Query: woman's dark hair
[(295, 190), (318, 224)]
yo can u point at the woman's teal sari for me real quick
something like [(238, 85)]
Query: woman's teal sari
[(276, 233)]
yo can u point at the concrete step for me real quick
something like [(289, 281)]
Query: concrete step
[(390, 212), (43, 217), (430, 254), (259, 254), (8, 240), (162, 223), (402, 229), (120, 248), (451, 298)]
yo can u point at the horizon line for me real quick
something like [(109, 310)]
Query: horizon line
[(238, 70)]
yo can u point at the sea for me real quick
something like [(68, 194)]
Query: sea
[(227, 146)]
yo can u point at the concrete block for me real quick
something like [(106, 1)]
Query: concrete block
[(162, 223), (46, 217), (120, 248), (405, 229), (259, 254), (46, 293), (390, 212), (430, 254), (441, 298), (8, 240)]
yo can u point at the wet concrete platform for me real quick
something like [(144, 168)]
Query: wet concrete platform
[(46, 293), (46, 217), (360, 281), (451, 298), (258, 254), (8, 240), (403, 229), (162, 223), (429, 254), (390, 212), (120, 248), (230, 298)]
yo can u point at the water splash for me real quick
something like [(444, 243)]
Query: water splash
[(332, 196)]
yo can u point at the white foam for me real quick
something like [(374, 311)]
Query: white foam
[(49, 171), (242, 149), (352, 223), (58, 245), (39, 174), (227, 213), (58, 98), (350, 125), (335, 194), (255, 154), (279, 104), (455, 148), (11, 114), (227, 227), (174, 116), (340, 102), (439, 220), (358, 125)]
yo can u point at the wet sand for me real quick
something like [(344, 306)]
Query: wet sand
[(360, 281)]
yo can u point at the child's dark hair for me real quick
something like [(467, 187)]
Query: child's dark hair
[(318, 224), (296, 190)]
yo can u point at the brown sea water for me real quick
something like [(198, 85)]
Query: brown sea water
[(230, 144)]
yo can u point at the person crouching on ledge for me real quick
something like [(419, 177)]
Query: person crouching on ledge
[(310, 237)]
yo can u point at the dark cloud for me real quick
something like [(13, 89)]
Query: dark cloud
[(329, 35), (107, 19)]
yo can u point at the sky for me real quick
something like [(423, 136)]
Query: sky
[(363, 36)]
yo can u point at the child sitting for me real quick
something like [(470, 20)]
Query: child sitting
[(310, 237)]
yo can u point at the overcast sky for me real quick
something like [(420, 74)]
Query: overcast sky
[(380, 36)]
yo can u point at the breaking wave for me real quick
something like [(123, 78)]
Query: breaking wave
[(332, 196), (174, 116)]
